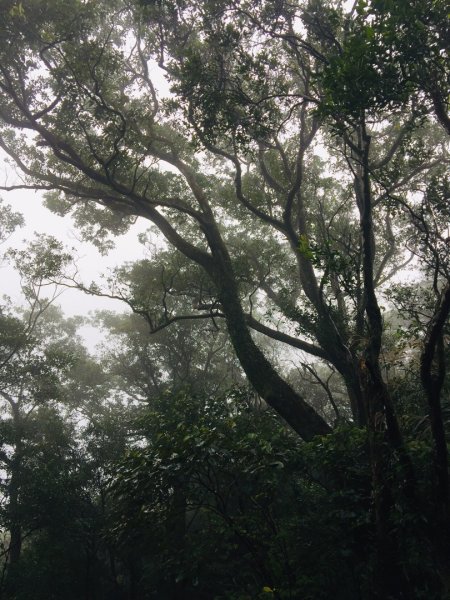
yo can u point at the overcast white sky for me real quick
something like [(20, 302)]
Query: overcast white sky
[(91, 263)]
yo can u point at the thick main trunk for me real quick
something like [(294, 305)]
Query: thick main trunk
[(15, 543), (15, 523), (261, 374), (377, 394), (176, 532), (432, 373), (384, 431), (440, 110), (15, 528), (389, 582), (355, 393)]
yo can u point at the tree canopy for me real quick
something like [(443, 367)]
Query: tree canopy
[(255, 136), (292, 159)]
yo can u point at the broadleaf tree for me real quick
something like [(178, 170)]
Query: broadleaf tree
[(37, 350), (248, 87), (298, 200)]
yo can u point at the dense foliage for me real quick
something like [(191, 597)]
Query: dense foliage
[(291, 159)]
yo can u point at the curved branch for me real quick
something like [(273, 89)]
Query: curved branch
[(286, 338)]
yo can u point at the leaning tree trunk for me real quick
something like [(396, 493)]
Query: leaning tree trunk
[(261, 374)]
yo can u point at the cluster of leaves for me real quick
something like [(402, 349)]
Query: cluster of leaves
[(221, 501), (215, 498), (391, 51)]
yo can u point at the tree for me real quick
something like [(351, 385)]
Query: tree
[(60, 432), (283, 175), (403, 49), (95, 140), (217, 261), (29, 383), (37, 351)]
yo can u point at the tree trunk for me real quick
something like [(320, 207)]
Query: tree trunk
[(15, 525), (432, 373), (268, 384), (176, 525), (389, 581), (261, 374)]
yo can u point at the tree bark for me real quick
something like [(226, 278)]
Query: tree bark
[(15, 525), (261, 374), (15, 528), (433, 356)]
